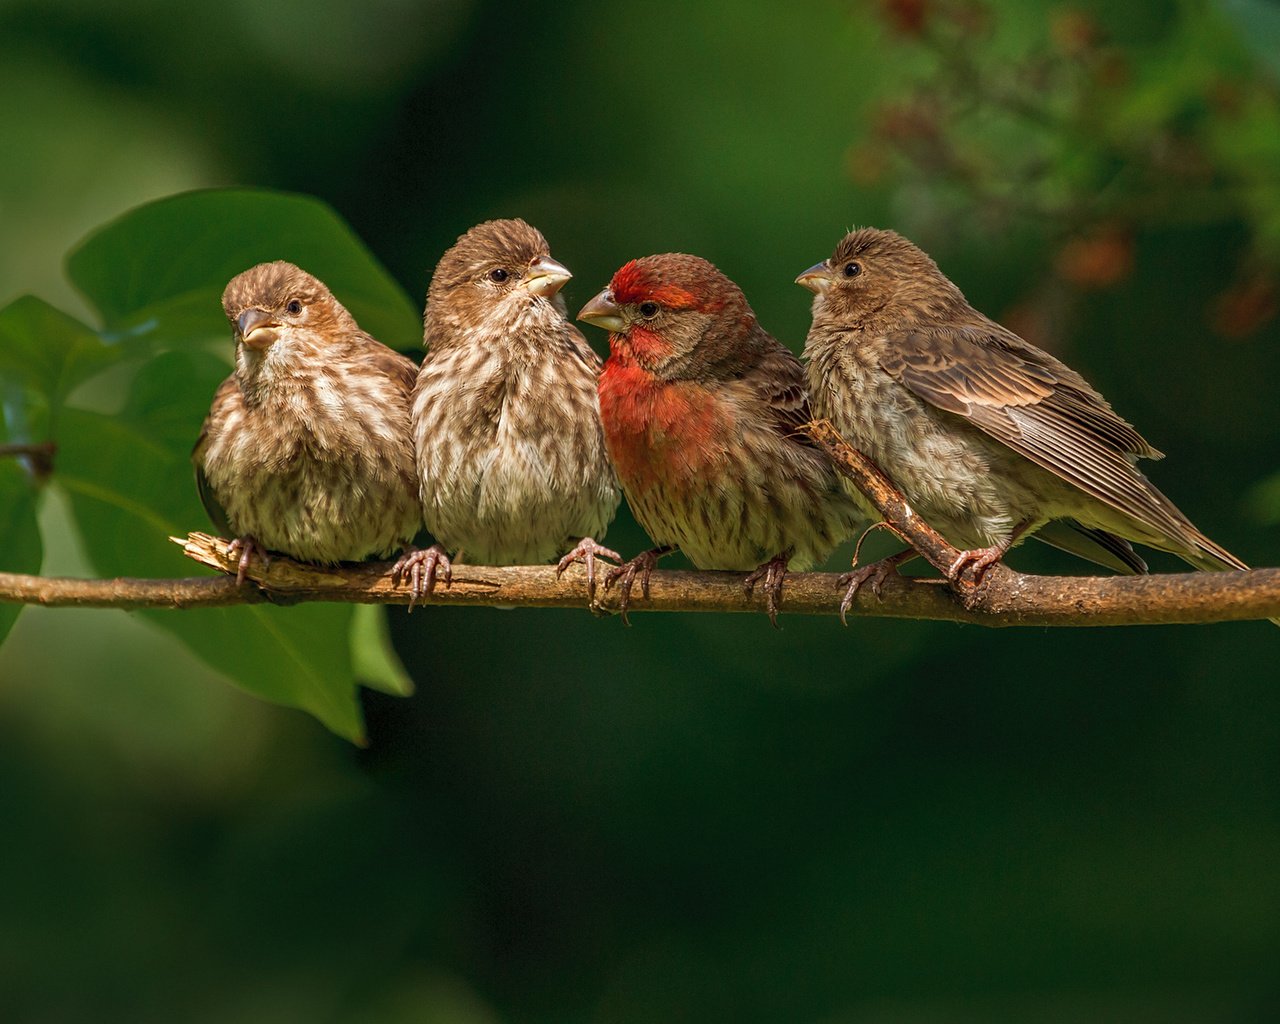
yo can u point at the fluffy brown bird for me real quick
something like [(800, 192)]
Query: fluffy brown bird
[(988, 437), (702, 409), (306, 449), (510, 454)]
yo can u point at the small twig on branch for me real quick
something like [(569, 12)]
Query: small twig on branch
[(887, 499), (41, 455), (1012, 599)]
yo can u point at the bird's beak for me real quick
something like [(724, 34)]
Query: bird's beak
[(817, 278), (257, 329), (546, 277), (603, 312)]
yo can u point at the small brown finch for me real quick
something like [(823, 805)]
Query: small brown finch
[(306, 449), (511, 457), (989, 438), (702, 410)]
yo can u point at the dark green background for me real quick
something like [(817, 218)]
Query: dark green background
[(698, 818)]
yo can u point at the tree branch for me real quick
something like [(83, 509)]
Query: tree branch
[(1005, 597), (1009, 599)]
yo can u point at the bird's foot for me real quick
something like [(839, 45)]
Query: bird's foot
[(977, 561), (420, 567), (874, 574), (586, 552), (244, 550), (773, 572), (626, 573)]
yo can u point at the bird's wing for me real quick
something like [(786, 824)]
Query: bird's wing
[(779, 381), (400, 369), (1041, 409), (217, 514)]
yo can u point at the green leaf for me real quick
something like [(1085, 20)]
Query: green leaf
[(374, 658), (160, 269), (130, 484), (299, 657), (21, 550), (48, 351)]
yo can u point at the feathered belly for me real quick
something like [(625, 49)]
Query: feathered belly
[(512, 509), (319, 510), (715, 529), (516, 494), (728, 497)]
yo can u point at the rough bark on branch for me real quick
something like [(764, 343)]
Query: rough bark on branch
[(889, 501), (1009, 600)]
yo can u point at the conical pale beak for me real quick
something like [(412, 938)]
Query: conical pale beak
[(603, 312), (817, 278), (546, 277), (257, 329)]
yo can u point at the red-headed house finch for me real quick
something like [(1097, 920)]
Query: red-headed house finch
[(702, 410), (306, 450), (988, 437), (511, 457)]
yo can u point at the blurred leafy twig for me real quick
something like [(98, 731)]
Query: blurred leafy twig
[(1085, 140), (39, 455)]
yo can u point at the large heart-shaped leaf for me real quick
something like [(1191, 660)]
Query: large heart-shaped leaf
[(160, 269), (48, 350)]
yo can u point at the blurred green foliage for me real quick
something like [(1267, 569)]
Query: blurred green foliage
[(22, 550), (696, 818)]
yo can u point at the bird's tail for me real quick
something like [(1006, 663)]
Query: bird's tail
[(1095, 545), (1210, 557)]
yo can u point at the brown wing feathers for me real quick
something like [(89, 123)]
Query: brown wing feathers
[(1045, 412)]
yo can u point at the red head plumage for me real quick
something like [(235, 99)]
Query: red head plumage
[(675, 281)]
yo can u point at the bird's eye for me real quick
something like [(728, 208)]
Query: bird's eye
[(498, 275), (852, 269), (648, 310), (294, 307)]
